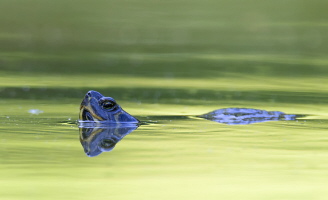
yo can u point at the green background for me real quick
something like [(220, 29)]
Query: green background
[(162, 60)]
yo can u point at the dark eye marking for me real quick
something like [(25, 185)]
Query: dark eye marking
[(106, 143), (107, 103)]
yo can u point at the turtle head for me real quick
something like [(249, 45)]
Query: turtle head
[(96, 107)]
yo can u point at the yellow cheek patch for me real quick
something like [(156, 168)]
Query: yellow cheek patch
[(89, 109), (96, 116)]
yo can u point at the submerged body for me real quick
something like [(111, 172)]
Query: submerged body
[(234, 116)]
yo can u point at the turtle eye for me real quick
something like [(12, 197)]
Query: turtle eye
[(108, 104), (106, 143)]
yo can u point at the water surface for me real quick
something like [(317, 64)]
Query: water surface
[(164, 63)]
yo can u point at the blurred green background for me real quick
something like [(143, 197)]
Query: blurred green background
[(164, 38), (158, 59)]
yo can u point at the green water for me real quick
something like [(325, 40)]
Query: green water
[(165, 62)]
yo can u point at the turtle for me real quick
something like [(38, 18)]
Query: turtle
[(98, 109), (103, 122)]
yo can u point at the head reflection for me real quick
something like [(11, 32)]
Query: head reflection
[(96, 140)]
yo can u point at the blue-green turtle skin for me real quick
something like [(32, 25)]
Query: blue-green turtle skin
[(100, 109), (239, 116), (96, 140)]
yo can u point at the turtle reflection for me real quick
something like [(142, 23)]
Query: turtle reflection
[(96, 140)]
